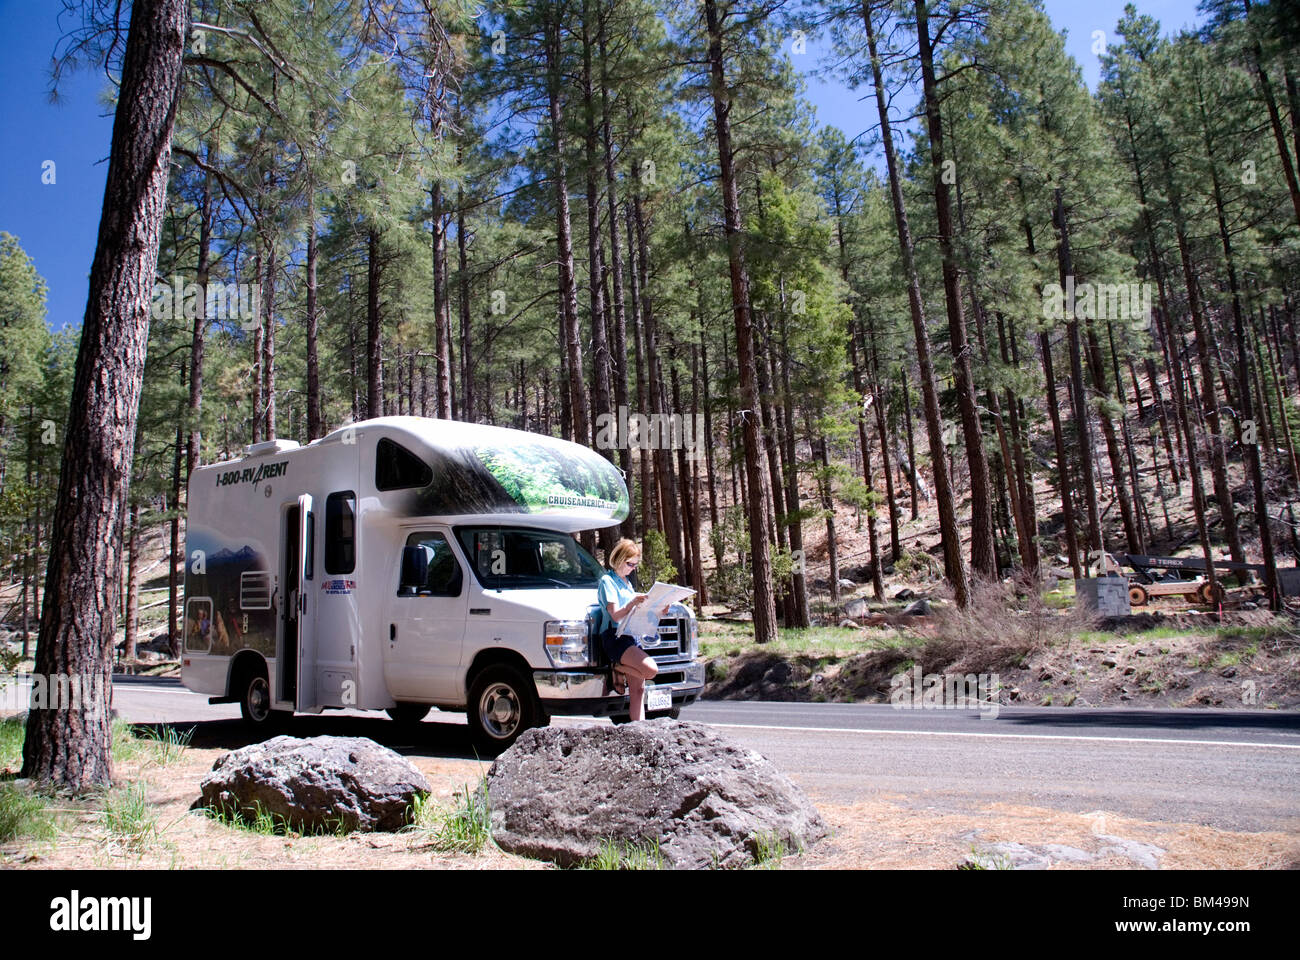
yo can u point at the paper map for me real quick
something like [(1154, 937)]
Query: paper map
[(643, 621)]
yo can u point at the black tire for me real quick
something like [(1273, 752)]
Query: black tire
[(255, 700), (620, 718), (674, 714), (1137, 595), (502, 705), (408, 714)]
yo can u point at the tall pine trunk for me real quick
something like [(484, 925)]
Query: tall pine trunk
[(70, 748), (759, 532)]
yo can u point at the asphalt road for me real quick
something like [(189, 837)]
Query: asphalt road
[(1236, 770)]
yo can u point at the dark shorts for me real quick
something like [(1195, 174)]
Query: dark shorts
[(616, 645)]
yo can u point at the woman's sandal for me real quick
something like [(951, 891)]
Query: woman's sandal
[(618, 681)]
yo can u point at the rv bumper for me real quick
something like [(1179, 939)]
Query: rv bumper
[(587, 692)]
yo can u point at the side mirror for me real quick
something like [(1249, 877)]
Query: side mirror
[(415, 570)]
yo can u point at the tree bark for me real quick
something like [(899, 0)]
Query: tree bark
[(983, 556), (69, 749), (759, 532), (954, 564)]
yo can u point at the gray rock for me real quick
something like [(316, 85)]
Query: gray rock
[(856, 608), (905, 594), (559, 792), (316, 784), (847, 584), (847, 624), (919, 609)]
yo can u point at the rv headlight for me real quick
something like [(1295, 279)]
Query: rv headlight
[(567, 643)]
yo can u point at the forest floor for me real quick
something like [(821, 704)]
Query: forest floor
[(145, 821)]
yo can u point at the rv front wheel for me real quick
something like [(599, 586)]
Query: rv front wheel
[(502, 705)]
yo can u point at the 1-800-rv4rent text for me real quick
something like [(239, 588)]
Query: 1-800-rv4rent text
[(405, 563)]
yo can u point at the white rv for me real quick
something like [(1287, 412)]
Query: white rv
[(405, 563)]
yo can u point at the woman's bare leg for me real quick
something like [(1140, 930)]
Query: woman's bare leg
[(639, 667)]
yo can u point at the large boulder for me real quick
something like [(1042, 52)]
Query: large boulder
[(316, 784), (560, 792)]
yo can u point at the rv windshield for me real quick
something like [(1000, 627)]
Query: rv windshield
[(520, 558)]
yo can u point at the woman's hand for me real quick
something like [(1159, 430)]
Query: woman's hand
[(639, 599)]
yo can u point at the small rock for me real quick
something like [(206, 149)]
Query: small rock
[(1014, 693), (1228, 672), (856, 608), (1129, 671), (904, 594), (1109, 662), (847, 624), (316, 784), (1142, 653), (846, 584), (1045, 674), (1249, 606), (919, 609)]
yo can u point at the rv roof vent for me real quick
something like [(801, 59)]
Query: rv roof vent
[(270, 446)]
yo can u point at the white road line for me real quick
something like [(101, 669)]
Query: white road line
[(1008, 736)]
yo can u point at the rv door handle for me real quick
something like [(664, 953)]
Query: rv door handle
[(392, 633)]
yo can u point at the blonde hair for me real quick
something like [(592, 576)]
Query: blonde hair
[(624, 549)]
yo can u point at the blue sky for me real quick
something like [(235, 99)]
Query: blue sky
[(57, 222)]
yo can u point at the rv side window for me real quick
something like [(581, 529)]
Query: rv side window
[(340, 532), (443, 577), (397, 468)]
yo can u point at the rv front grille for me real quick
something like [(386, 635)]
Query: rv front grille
[(669, 642)]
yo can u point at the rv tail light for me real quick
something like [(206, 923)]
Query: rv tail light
[(567, 643)]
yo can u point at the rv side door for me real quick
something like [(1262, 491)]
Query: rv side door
[(308, 701)]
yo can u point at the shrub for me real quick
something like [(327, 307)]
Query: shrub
[(656, 564)]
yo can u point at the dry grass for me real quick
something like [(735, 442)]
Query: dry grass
[(1004, 625)]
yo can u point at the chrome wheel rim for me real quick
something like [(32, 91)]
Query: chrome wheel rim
[(259, 699), (499, 710)]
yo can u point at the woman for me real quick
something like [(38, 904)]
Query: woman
[(617, 599)]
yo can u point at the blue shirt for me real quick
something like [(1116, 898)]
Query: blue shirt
[(612, 589)]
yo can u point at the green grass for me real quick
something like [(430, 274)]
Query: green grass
[(126, 745), (626, 855), (769, 850), (170, 745), (24, 814), (265, 823), (463, 826), (12, 732), (127, 816)]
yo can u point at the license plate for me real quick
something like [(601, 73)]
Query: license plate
[(659, 699)]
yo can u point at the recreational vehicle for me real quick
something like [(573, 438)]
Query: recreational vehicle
[(405, 563)]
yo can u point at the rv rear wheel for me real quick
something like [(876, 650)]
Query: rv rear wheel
[(502, 705), (250, 685)]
